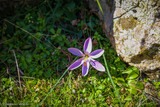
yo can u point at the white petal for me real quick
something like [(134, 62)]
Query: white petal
[(76, 64), (97, 53), (87, 47), (75, 51), (85, 68), (97, 65)]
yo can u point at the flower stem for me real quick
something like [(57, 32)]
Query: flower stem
[(99, 5), (110, 77), (106, 65)]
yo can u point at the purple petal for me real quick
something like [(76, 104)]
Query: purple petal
[(87, 45), (97, 65), (85, 68), (97, 53), (76, 64), (75, 51)]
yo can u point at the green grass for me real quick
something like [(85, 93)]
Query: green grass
[(39, 38)]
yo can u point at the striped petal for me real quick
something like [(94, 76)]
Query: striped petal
[(97, 53), (85, 68), (87, 45), (76, 64), (75, 51), (97, 65)]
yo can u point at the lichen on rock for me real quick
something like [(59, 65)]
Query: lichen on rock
[(128, 23)]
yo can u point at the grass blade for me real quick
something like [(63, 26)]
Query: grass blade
[(110, 77)]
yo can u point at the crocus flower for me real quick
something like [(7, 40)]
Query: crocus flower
[(87, 58)]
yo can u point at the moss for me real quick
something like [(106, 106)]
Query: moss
[(128, 23)]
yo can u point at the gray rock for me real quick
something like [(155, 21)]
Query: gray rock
[(133, 26), (137, 33)]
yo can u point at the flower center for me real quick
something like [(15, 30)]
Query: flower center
[(86, 58)]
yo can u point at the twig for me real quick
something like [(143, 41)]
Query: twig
[(126, 11), (18, 72)]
